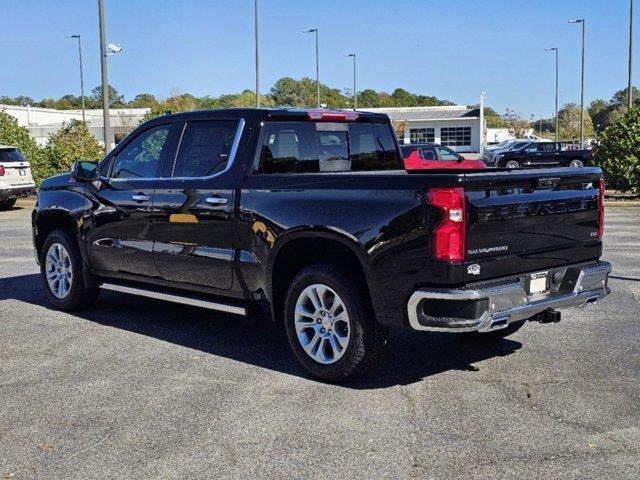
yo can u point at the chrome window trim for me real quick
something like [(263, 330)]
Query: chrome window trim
[(232, 157)]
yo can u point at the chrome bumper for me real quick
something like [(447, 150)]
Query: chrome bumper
[(496, 305)]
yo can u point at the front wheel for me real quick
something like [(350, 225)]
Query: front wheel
[(61, 273), (7, 204), (576, 163), (330, 324)]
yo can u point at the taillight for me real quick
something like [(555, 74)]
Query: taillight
[(601, 209), (1, 171), (332, 116), (449, 235)]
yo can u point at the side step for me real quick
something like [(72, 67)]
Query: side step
[(175, 298)]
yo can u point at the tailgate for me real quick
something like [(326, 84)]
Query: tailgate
[(17, 173), (520, 213)]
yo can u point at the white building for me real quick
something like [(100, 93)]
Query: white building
[(41, 122), (456, 126)]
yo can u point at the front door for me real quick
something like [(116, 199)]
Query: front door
[(194, 206), (120, 230)]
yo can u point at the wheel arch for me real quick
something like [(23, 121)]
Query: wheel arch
[(299, 249)]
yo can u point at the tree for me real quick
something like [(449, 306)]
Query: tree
[(368, 98), (619, 150), (143, 100), (115, 98), (569, 122), (492, 118), (519, 127), (72, 142), (11, 133)]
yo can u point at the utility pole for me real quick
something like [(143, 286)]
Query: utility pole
[(355, 92), (105, 80), (315, 30), (81, 75), (483, 140), (257, 55), (555, 50), (581, 84), (630, 85)]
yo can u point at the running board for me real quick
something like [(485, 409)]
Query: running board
[(170, 297)]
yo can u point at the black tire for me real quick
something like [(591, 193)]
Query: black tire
[(514, 162), (367, 339), (7, 204), (80, 294), (498, 334)]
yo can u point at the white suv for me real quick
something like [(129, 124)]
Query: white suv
[(15, 177)]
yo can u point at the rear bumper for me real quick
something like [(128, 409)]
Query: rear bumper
[(492, 305), (7, 193)]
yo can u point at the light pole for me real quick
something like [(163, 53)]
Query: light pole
[(105, 80), (257, 55), (315, 30), (630, 86), (355, 92), (581, 20), (81, 76), (555, 49)]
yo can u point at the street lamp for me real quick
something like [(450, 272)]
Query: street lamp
[(555, 49), (355, 94), (105, 51), (257, 34), (630, 86), (81, 76), (581, 20), (315, 30)]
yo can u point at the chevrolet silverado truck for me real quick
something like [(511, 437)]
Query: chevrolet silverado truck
[(309, 216), (15, 177), (542, 154)]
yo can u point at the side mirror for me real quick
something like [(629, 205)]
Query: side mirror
[(84, 171)]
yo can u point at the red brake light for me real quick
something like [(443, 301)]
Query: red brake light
[(330, 116), (601, 209), (449, 235), (1, 171)]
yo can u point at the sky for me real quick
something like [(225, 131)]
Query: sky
[(450, 49)]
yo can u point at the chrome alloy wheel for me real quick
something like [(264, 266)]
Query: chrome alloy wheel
[(512, 164), (58, 270), (322, 324), (576, 163)]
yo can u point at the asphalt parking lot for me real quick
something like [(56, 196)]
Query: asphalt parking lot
[(143, 389)]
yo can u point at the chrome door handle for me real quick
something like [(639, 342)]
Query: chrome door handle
[(216, 201), (140, 197)]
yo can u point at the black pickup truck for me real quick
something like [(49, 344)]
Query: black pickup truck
[(542, 154), (309, 216)]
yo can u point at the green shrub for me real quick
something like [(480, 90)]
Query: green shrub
[(619, 151)]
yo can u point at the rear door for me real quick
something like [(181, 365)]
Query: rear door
[(120, 234), (194, 205)]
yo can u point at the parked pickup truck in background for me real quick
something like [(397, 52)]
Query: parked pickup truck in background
[(542, 154), (15, 177), (431, 156), (310, 216)]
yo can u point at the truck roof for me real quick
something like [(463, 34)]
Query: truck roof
[(283, 114)]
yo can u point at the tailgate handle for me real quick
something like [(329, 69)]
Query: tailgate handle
[(547, 183)]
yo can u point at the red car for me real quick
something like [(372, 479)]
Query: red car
[(431, 156)]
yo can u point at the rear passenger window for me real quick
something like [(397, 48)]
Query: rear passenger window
[(204, 148)]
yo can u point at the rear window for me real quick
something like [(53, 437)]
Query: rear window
[(301, 147), (11, 155)]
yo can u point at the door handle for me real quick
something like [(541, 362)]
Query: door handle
[(215, 200), (140, 197)]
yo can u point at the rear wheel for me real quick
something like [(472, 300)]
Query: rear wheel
[(576, 163), (61, 273), (330, 324), (7, 204), (498, 334), (512, 164)]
